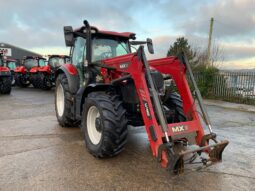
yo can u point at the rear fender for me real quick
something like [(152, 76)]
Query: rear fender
[(83, 93), (34, 70), (45, 69), (4, 71), (20, 69), (72, 76)]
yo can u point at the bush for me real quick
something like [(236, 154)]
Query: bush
[(205, 78)]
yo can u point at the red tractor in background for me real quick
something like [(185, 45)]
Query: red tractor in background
[(28, 73), (5, 77), (107, 87), (12, 64), (47, 73)]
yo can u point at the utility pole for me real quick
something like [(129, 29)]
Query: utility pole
[(210, 42)]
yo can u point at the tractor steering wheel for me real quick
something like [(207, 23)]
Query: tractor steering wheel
[(106, 55)]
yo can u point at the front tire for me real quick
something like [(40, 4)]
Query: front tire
[(5, 85), (63, 103), (104, 124), (173, 102)]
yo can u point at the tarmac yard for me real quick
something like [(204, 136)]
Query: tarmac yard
[(37, 154)]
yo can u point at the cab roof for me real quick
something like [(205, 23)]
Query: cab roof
[(33, 57), (57, 55), (11, 60), (128, 35)]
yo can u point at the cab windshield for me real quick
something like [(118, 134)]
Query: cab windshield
[(107, 48), (42, 62), (30, 63), (56, 61), (12, 65)]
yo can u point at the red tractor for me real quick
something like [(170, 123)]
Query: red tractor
[(28, 73), (107, 87), (5, 77), (47, 73)]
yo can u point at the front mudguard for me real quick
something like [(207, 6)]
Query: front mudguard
[(83, 92), (72, 77)]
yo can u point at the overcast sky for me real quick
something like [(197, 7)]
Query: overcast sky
[(38, 25)]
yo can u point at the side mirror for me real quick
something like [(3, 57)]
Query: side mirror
[(150, 45), (69, 37)]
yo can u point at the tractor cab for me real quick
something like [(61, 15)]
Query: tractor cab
[(11, 64), (30, 62), (55, 61), (89, 46)]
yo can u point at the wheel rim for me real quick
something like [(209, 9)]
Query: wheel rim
[(92, 117), (60, 100)]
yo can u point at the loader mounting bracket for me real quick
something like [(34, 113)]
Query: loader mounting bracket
[(206, 138), (175, 162)]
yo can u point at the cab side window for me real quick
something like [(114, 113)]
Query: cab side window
[(78, 56), (79, 51)]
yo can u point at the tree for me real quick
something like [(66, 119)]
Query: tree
[(181, 44), (197, 56), (204, 72), (216, 59)]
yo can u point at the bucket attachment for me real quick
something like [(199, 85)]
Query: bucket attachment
[(216, 153)]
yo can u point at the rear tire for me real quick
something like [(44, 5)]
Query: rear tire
[(63, 103), (45, 82), (173, 102), (5, 85), (104, 124), (21, 81), (36, 81)]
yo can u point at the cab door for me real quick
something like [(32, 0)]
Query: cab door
[(78, 56)]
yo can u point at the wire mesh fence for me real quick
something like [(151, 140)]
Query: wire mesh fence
[(238, 87)]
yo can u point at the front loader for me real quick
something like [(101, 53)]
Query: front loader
[(107, 87)]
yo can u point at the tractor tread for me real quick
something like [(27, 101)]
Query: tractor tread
[(66, 120), (5, 85), (174, 101), (36, 81), (115, 124), (19, 81), (43, 79)]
